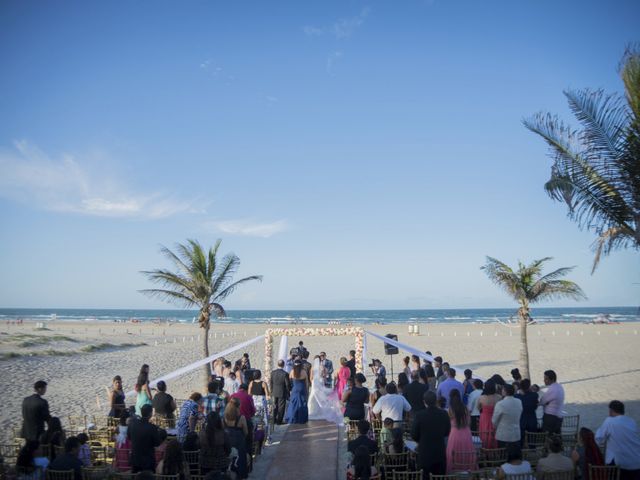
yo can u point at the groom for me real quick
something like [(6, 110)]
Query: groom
[(327, 369)]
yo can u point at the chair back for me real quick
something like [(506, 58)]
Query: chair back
[(535, 439), (521, 476), (9, 452), (98, 455), (570, 424), (60, 474), (463, 461), (532, 455), (562, 475), (444, 477), (407, 475), (164, 423), (95, 473), (395, 461), (607, 472), (492, 457), (193, 460), (76, 424)]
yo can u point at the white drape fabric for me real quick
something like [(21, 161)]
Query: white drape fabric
[(283, 353)]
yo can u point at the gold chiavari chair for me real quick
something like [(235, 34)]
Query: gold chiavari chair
[(535, 439), (193, 460), (9, 452), (407, 475), (492, 457), (481, 474), (463, 461), (562, 475), (391, 462), (164, 423), (98, 455), (608, 472), (532, 455), (95, 473), (60, 474), (570, 425), (76, 424)]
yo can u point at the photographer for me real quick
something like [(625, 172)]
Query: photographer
[(378, 369)]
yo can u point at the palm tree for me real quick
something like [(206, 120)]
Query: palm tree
[(596, 170), (527, 285), (201, 280)]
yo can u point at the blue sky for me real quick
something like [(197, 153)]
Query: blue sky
[(356, 154)]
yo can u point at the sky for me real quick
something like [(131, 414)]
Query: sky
[(356, 154)]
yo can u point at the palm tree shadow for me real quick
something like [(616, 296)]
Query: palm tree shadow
[(486, 364), (598, 377)]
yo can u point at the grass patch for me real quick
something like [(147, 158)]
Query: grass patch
[(36, 340), (106, 346), (7, 356), (65, 353), (55, 353)]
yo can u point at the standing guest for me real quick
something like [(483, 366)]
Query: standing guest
[(622, 438), (163, 404), (553, 402), (437, 365), (363, 439), (69, 459), (586, 452), (226, 369), (218, 366), (327, 369), (515, 465), (460, 436), (341, 377), (236, 427), (259, 391), (231, 383), (355, 398), (35, 412), (406, 368), (403, 382), (121, 461), (473, 404), (379, 369), (515, 375), (298, 409), (444, 376), (351, 363), (555, 461), (173, 462), (380, 390), (414, 392), (54, 436), (506, 418), (360, 468), (84, 452), (429, 373), (413, 365), (486, 405), (142, 389), (445, 387), (430, 428), (31, 464), (189, 414), (529, 399), (301, 349), (306, 365), (467, 385), (280, 388), (215, 446), (212, 402), (392, 406), (247, 409), (145, 437), (116, 398)]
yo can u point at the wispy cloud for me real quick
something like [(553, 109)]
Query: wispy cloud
[(332, 59), (30, 176), (341, 29), (248, 228)]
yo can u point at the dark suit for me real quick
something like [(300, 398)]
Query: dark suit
[(144, 438), (280, 385), (414, 393), (429, 429), (351, 364), (363, 440), (35, 411), (67, 461)]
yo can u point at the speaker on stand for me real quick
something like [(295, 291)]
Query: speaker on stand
[(391, 350)]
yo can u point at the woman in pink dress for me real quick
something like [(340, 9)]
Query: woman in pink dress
[(342, 376), (461, 454), (486, 404)]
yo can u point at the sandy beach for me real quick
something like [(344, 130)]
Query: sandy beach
[(595, 363)]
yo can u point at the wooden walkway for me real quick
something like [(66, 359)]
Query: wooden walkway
[(309, 451)]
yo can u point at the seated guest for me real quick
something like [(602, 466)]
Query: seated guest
[(163, 404), (122, 445), (236, 426), (145, 437), (392, 405), (189, 414), (173, 462), (54, 436), (360, 467), (84, 453), (515, 464), (30, 464), (160, 449), (396, 445), (215, 445), (554, 461), (586, 452), (191, 442), (385, 435), (69, 459), (363, 439)]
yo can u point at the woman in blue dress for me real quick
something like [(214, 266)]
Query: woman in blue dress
[(298, 411)]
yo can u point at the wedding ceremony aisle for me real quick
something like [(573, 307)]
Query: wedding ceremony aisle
[(308, 451)]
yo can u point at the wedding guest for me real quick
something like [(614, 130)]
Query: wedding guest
[(363, 439), (515, 375), (622, 438), (415, 364), (351, 363), (396, 445), (379, 369), (212, 401), (163, 404), (446, 386), (360, 468), (31, 464), (460, 436), (473, 404), (467, 385), (406, 369), (414, 392), (280, 387), (429, 373), (84, 452), (236, 427), (506, 418), (341, 377), (173, 462), (437, 365), (191, 442), (555, 461), (515, 465), (189, 413), (327, 369), (430, 428), (403, 382), (231, 384), (385, 432), (35, 412), (122, 445), (586, 452), (54, 436), (215, 445), (445, 371), (226, 369), (486, 405), (392, 405), (529, 399), (306, 365), (498, 380), (259, 391), (160, 449), (116, 398), (553, 402), (247, 408), (144, 396), (144, 438), (355, 398), (298, 411), (380, 390), (69, 459)]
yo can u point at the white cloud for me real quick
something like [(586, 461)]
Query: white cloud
[(248, 228), (30, 176), (332, 59), (342, 28), (311, 31)]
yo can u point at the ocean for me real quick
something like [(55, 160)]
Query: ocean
[(467, 315)]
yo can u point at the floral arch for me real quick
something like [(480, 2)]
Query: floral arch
[(356, 332)]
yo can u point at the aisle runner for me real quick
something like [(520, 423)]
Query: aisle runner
[(307, 452)]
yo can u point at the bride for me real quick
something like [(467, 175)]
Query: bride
[(323, 402)]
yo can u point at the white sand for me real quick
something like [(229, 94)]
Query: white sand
[(595, 363)]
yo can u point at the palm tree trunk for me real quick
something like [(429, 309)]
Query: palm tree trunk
[(523, 314), (205, 317)]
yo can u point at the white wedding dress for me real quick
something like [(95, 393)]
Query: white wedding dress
[(323, 402)]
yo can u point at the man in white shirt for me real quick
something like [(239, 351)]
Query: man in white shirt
[(506, 418), (392, 405), (622, 439), (231, 384), (472, 404), (553, 402)]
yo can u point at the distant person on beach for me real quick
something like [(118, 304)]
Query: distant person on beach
[(116, 398), (553, 403), (506, 418), (621, 436), (145, 437), (142, 388), (446, 386), (35, 412), (163, 404)]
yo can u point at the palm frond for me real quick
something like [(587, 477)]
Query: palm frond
[(503, 276), (607, 241), (169, 295), (225, 271), (229, 290), (219, 310), (558, 289)]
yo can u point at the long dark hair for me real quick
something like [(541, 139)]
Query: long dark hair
[(214, 425), (26, 456), (489, 387), (396, 440), (297, 370), (403, 380), (172, 463), (457, 408), (592, 454), (362, 463)]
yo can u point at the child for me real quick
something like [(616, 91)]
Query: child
[(84, 454), (385, 433)]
